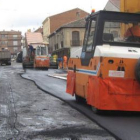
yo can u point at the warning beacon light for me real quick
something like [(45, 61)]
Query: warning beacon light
[(93, 11)]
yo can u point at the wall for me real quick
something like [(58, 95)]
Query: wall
[(65, 35), (46, 30), (52, 23), (111, 7), (66, 17)]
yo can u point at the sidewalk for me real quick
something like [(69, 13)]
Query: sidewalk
[(59, 73)]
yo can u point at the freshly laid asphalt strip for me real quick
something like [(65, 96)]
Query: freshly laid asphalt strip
[(71, 101)]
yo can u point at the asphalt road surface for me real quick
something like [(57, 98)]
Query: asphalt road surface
[(28, 113), (124, 125)]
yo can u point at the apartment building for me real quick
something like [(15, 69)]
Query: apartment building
[(67, 36), (11, 40), (52, 23)]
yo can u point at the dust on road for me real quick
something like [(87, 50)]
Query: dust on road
[(28, 113)]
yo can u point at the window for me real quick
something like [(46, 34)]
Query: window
[(15, 43), (4, 42), (43, 50), (38, 51), (78, 15), (15, 49), (115, 34), (89, 36), (15, 36), (121, 31), (75, 38), (3, 36), (56, 46)]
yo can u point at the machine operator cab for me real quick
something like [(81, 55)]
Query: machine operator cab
[(41, 57), (106, 28), (41, 50)]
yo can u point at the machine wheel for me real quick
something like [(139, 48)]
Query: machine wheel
[(23, 65), (78, 99), (137, 71), (96, 111)]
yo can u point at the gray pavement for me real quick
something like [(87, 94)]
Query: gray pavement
[(27, 113), (118, 123)]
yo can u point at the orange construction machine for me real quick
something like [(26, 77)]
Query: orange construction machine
[(107, 74), (35, 54)]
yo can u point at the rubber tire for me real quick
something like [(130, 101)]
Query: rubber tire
[(96, 111), (78, 99), (137, 71), (23, 65)]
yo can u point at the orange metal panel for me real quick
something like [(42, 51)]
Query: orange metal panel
[(115, 96), (41, 61), (70, 83)]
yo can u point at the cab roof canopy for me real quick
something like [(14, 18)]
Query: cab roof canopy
[(33, 38), (116, 15)]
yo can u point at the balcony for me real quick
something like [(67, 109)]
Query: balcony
[(14, 38), (76, 42), (11, 45)]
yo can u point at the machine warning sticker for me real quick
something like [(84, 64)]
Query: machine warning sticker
[(113, 73), (42, 59)]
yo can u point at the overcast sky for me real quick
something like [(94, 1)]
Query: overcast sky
[(29, 14)]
